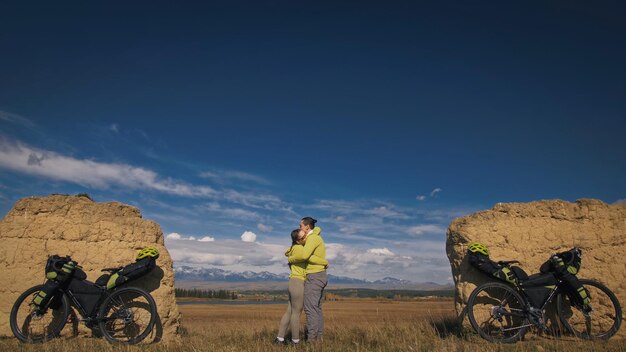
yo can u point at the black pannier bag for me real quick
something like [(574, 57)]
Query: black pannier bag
[(538, 287), (482, 262), (41, 299), (128, 273), (87, 294), (565, 266)]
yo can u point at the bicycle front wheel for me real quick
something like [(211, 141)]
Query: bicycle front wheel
[(604, 319), (496, 312), (30, 325), (127, 316)]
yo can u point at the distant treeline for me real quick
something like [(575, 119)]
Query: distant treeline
[(199, 293), (391, 294), (365, 293)]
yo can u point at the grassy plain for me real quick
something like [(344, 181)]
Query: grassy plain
[(351, 325)]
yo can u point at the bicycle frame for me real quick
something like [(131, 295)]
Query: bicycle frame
[(548, 300), (528, 311), (81, 310), (552, 294)]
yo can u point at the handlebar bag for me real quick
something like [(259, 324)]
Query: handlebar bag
[(59, 268)]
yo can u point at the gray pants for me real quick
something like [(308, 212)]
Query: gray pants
[(313, 289), (291, 318)]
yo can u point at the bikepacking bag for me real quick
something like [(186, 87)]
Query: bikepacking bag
[(87, 294), (59, 268), (41, 299), (565, 266), (569, 261), (483, 263), (538, 287), (130, 272)]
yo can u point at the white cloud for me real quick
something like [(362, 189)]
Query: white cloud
[(114, 127), (264, 228), (248, 236), (435, 191), (388, 211), (229, 212), (620, 201), (425, 229), (252, 200), (29, 160), (207, 239), (420, 197), (224, 176), (16, 119), (173, 236), (381, 251), (178, 237), (235, 255)]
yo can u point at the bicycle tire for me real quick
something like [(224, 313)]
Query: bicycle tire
[(497, 313), (605, 319), (28, 327), (119, 316)]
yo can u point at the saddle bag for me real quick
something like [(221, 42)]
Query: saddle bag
[(486, 265), (130, 272)]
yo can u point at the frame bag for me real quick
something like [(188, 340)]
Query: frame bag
[(87, 294)]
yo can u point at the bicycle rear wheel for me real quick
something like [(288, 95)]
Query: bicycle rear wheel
[(127, 316), (496, 312), (28, 325), (601, 323)]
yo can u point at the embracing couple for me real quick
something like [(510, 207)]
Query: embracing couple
[(307, 260)]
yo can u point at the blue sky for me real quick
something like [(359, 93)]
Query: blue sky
[(383, 121)]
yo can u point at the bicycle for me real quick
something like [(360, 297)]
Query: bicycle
[(502, 312), (123, 315)]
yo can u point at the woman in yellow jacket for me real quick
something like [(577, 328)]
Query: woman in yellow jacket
[(291, 318)]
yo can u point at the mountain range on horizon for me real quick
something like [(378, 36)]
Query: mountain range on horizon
[(194, 274)]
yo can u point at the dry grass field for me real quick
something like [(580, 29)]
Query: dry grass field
[(359, 325)]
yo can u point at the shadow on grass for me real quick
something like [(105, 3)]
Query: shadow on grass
[(448, 327)]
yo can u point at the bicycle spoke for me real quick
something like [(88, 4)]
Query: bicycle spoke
[(496, 312), (600, 320), (130, 316)]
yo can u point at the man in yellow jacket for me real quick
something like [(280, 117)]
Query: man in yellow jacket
[(316, 278)]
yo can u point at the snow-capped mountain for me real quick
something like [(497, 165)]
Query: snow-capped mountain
[(187, 273), (392, 281)]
